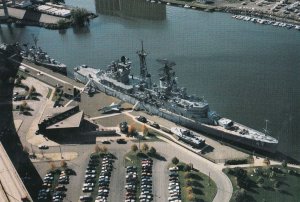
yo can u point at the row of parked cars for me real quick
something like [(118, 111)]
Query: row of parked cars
[(90, 178), (58, 193), (174, 188), (146, 181), (104, 178), (131, 182)]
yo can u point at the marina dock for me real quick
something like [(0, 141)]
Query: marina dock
[(27, 15)]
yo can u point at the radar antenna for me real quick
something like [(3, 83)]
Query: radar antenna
[(167, 75)]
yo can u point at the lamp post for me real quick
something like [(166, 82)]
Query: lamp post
[(61, 156)]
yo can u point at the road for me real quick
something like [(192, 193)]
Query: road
[(223, 183)]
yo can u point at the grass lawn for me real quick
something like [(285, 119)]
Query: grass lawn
[(288, 184), (203, 187)]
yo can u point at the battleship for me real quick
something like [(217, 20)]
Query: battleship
[(39, 57), (167, 100), (34, 55)]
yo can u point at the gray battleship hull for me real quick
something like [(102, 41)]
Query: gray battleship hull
[(216, 131)]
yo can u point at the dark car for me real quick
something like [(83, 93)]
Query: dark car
[(105, 142), (124, 127), (121, 141), (142, 119), (155, 125)]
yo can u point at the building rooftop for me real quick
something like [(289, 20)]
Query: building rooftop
[(11, 185), (71, 120)]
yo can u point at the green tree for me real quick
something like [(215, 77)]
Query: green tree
[(63, 164), (189, 189), (284, 163), (134, 148), (260, 181), (239, 195), (79, 16), (63, 24), (187, 175), (187, 167), (97, 148), (276, 185), (191, 197), (175, 160), (145, 147), (189, 182), (131, 130), (103, 149), (145, 130)]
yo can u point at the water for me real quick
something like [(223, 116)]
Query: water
[(247, 72)]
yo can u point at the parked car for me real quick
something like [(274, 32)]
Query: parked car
[(43, 147)]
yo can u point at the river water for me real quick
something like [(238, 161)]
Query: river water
[(247, 72)]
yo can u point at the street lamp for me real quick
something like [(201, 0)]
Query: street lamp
[(61, 156)]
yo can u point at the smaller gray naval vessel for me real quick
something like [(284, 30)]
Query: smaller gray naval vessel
[(188, 137), (37, 56), (170, 101)]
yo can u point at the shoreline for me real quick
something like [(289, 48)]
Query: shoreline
[(223, 8)]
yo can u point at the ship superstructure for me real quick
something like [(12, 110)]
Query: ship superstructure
[(170, 101)]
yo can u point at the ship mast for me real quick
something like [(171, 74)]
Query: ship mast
[(266, 128), (143, 66)]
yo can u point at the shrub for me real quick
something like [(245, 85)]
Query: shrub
[(63, 164), (134, 148), (145, 147), (63, 24), (284, 163), (145, 130), (131, 130), (187, 167), (175, 160), (97, 148), (187, 175), (79, 16), (236, 161)]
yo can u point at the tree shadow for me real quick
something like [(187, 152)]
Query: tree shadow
[(286, 192), (27, 113), (196, 184), (141, 155), (268, 188), (195, 176), (36, 94), (207, 149), (35, 98), (157, 156), (198, 191)]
